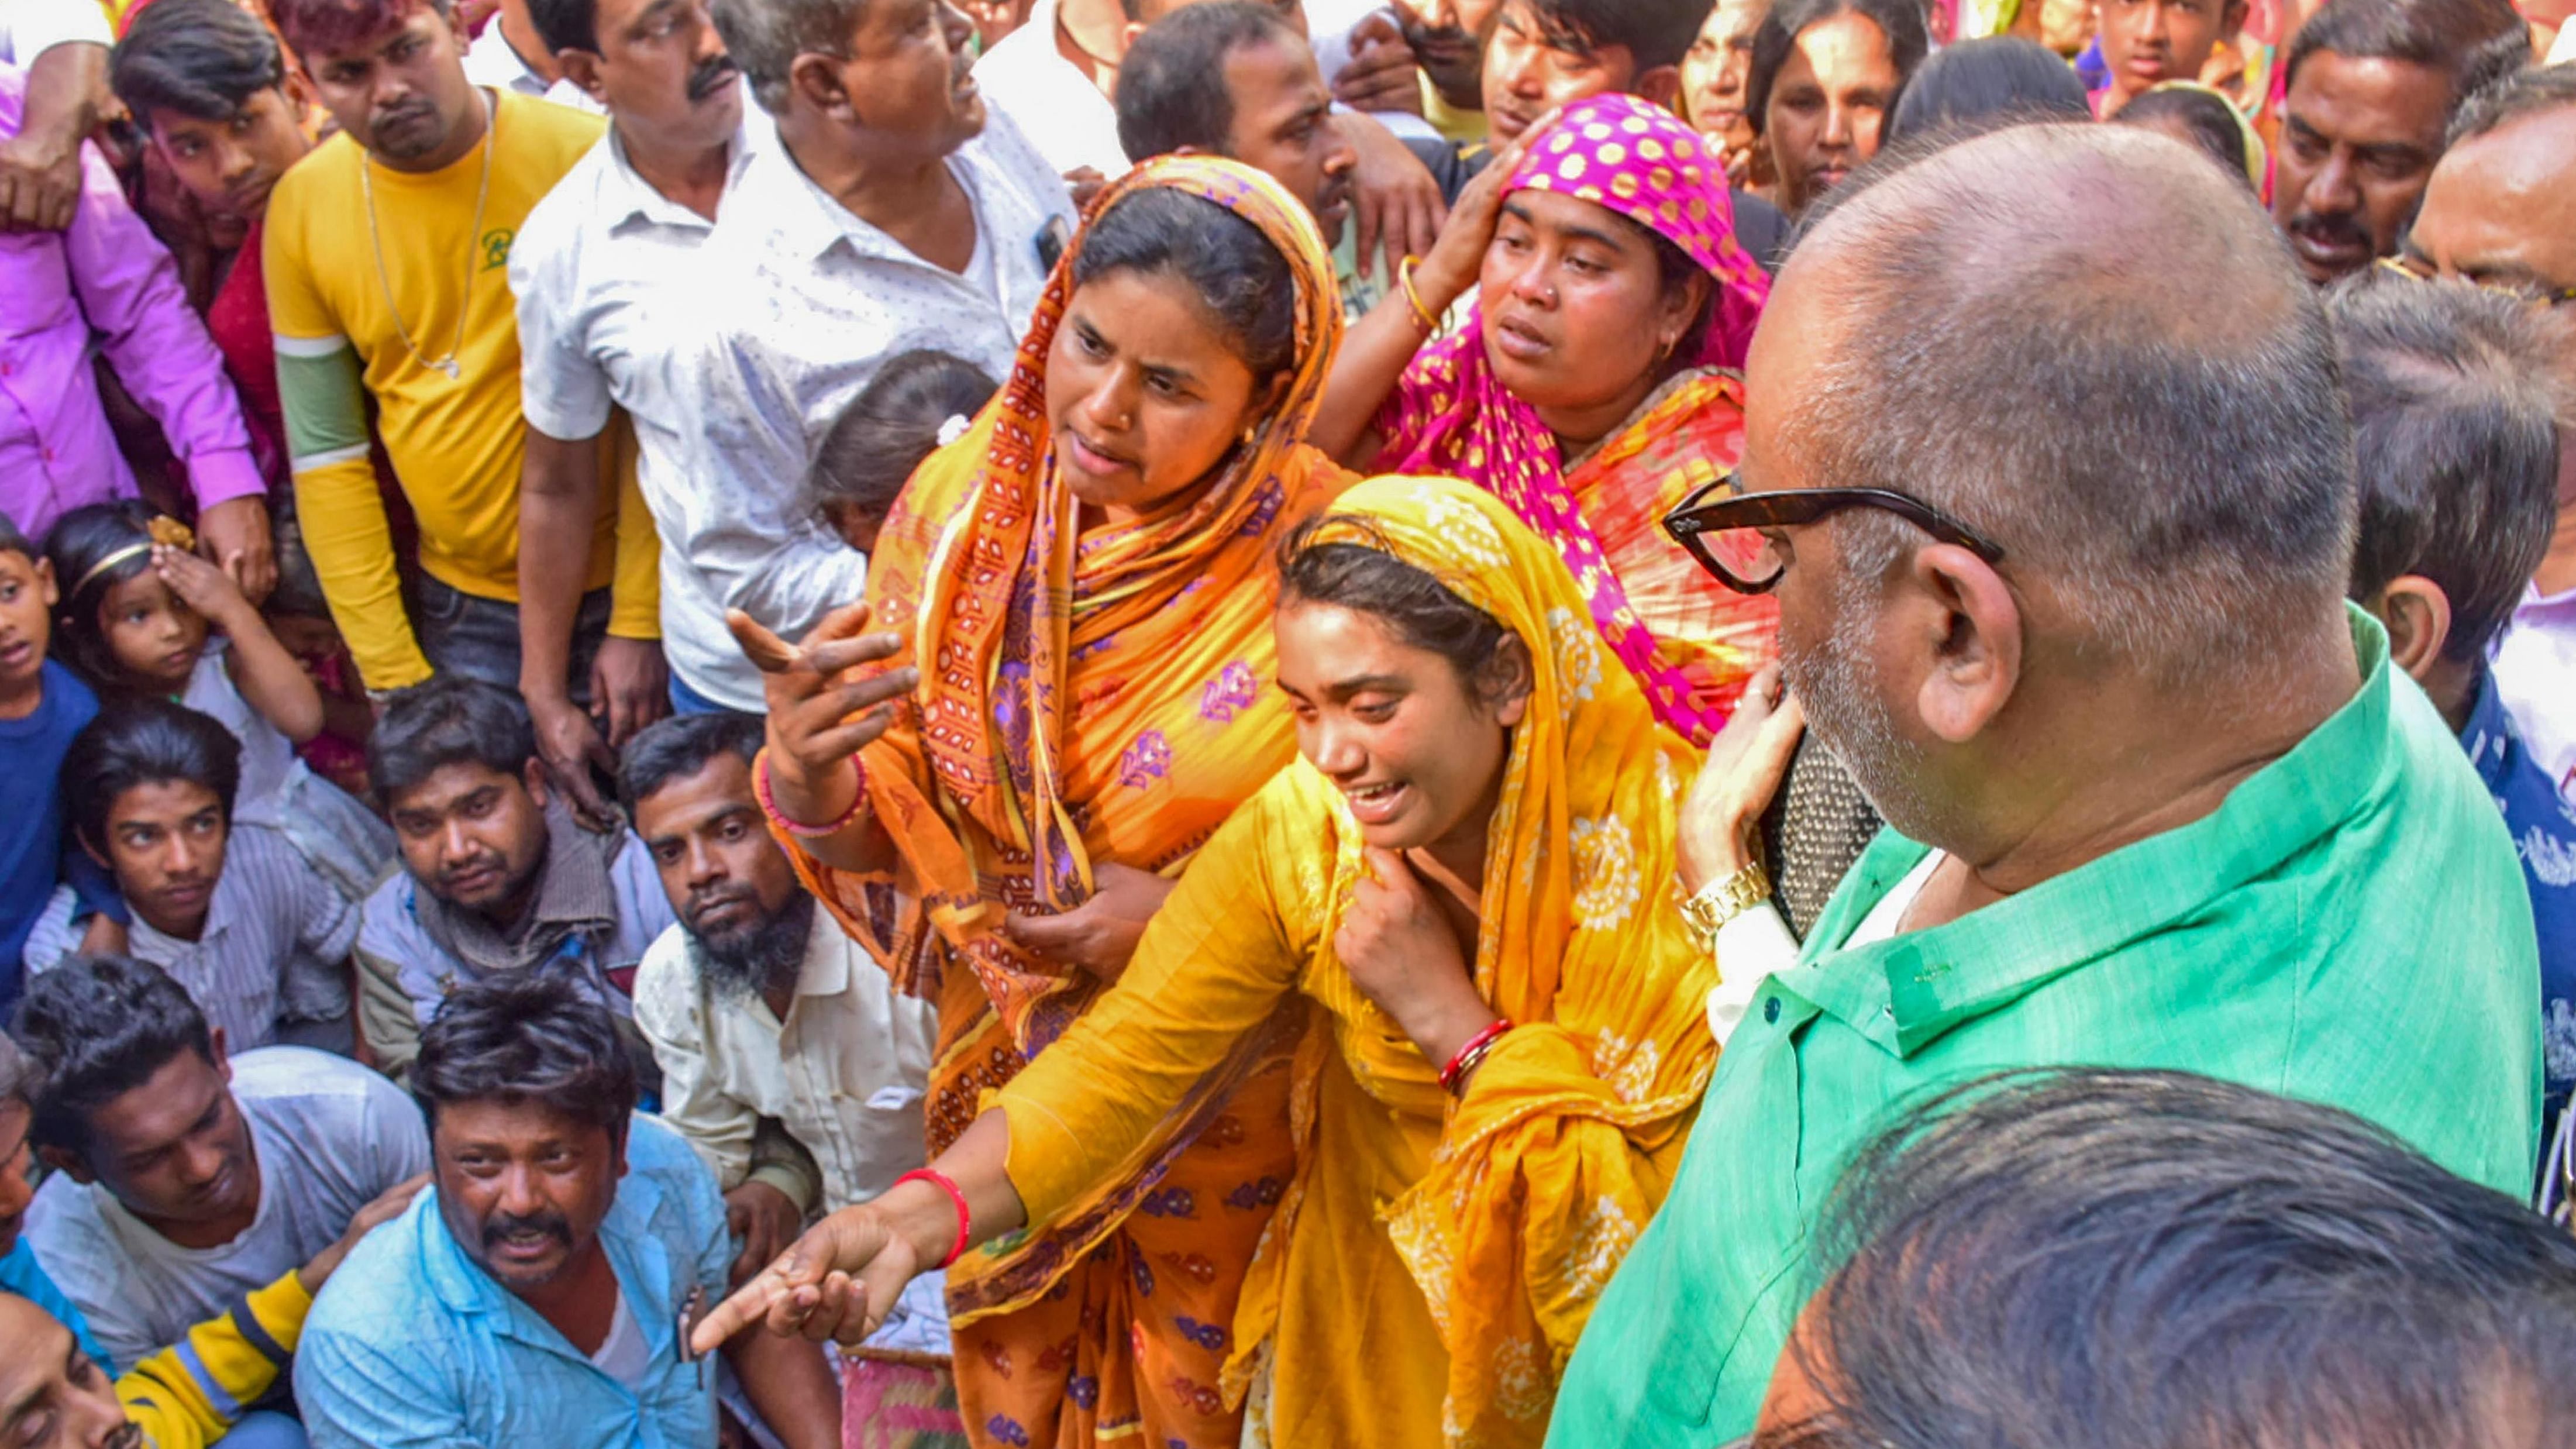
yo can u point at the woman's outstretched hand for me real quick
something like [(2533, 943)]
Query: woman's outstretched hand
[(823, 707), (839, 1281)]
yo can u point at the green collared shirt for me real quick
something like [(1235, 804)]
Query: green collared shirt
[(2349, 926)]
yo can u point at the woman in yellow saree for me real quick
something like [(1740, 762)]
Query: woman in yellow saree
[(1467, 882), (1083, 585)]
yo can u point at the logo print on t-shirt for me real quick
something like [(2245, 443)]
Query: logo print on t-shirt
[(496, 247)]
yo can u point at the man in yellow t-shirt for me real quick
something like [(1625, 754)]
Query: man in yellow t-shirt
[(386, 254)]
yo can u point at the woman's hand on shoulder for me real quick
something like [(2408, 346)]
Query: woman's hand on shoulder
[(1746, 763)]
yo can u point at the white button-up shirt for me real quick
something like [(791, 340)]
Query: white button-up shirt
[(493, 63), (29, 28), (597, 268), (799, 303), (845, 1073)]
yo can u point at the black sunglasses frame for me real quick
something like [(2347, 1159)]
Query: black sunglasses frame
[(1794, 507)]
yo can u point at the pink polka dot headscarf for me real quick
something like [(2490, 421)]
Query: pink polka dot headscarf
[(1641, 161)]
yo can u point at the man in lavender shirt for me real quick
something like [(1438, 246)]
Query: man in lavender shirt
[(106, 276)]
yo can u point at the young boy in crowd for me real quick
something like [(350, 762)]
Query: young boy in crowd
[(41, 708)]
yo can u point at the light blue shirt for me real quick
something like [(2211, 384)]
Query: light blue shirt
[(413, 1346), (21, 1274)]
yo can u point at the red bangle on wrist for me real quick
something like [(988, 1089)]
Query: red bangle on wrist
[(965, 1217), (798, 828), (1472, 1055)]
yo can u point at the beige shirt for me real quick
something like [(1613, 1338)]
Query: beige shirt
[(844, 1074)]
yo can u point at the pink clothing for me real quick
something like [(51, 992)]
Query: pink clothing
[(105, 278), (1451, 415)]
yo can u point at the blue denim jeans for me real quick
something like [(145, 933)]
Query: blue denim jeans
[(685, 700), (479, 638)]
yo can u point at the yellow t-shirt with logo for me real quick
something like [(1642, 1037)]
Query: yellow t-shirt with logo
[(456, 443)]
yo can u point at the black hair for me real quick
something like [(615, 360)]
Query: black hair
[(1171, 87), (2154, 1260), (81, 542), (97, 1027), (2474, 42), (1655, 33), (2208, 120), (531, 1036), (891, 426), (564, 24), (681, 746), (203, 59), (2526, 91), (450, 720), (13, 541), (145, 741), (1239, 277), (1901, 21), (2452, 408), (1423, 612), (2002, 76)]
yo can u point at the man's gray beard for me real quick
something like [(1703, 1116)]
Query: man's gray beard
[(743, 963), (1850, 719)]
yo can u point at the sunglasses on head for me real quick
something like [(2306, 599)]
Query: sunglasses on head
[(1729, 532)]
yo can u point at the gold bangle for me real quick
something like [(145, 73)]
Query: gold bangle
[(1721, 901), (1422, 316)]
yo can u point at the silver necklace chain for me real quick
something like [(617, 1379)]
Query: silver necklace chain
[(473, 246)]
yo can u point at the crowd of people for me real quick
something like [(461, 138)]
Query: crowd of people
[(1217, 723)]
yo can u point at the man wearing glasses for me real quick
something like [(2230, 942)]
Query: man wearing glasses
[(2069, 606), (2500, 211)]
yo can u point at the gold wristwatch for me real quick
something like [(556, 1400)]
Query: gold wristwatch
[(1721, 901)]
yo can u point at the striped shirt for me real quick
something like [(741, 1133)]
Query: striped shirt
[(271, 918)]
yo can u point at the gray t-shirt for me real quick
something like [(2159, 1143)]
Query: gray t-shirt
[(330, 1136)]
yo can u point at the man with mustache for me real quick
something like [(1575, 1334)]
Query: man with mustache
[(539, 1295), (597, 270), (259, 940), (2156, 795), (760, 1008), (387, 253), (2372, 87), (1447, 38), (498, 878), (185, 1177)]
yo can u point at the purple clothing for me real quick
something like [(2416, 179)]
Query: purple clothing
[(107, 278)]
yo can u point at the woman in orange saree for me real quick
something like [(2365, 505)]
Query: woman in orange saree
[(1084, 584), (1592, 388)]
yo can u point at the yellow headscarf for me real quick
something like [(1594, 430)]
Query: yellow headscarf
[(1566, 1142)]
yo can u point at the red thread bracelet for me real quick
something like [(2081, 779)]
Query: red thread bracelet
[(798, 828), (965, 1218), (1472, 1055)]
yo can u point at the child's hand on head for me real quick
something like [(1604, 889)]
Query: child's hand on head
[(200, 585)]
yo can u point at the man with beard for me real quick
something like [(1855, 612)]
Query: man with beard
[(1447, 38), (386, 260), (498, 878), (2155, 795), (759, 1007), (184, 1177), (537, 1294), (606, 252), (2372, 85)]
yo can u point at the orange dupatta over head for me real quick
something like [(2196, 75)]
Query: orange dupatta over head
[(1083, 696)]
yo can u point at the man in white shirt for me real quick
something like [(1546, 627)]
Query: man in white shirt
[(889, 217), (757, 1005), (512, 53), (185, 1178), (597, 270), (62, 46)]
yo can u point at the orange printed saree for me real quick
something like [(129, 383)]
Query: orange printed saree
[(1088, 696), (1434, 1261)]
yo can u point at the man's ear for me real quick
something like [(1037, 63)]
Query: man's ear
[(816, 78), (2418, 616), (1660, 86), (457, 27), (92, 852), (1969, 627), (66, 1162), (1127, 34), (45, 584), (582, 69), (533, 775)]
